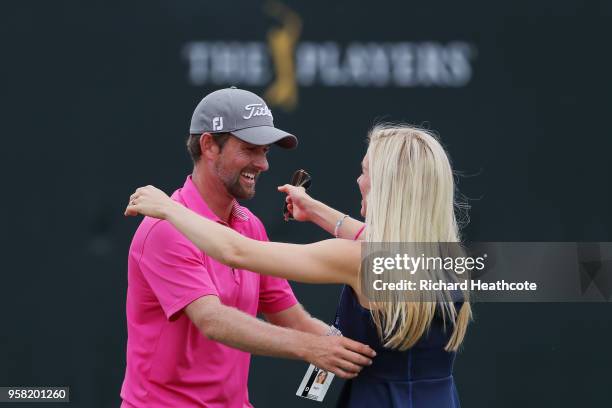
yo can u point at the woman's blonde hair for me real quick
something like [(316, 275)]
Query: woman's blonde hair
[(411, 199)]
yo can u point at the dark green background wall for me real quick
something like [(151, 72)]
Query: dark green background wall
[(96, 101)]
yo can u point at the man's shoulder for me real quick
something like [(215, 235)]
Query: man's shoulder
[(153, 228), (149, 226), (158, 234)]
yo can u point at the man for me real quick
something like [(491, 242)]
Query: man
[(191, 320)]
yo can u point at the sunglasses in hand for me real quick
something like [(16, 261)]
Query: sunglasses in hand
[(300, 178)]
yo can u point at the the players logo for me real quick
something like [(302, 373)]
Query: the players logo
[(285, 63), (282, 40)]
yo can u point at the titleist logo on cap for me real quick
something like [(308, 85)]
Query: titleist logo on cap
[(256, 109)]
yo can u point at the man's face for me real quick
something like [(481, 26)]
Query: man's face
[(238, 166)]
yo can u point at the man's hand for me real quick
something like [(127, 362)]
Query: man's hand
[(340, 355)]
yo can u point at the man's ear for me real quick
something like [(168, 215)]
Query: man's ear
[(208, 146)]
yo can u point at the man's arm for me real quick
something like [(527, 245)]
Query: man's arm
[(227, 325), (297, 318)]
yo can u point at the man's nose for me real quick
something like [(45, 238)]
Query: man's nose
[(261, 163)]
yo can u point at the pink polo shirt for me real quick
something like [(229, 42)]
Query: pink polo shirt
[(169, 362)]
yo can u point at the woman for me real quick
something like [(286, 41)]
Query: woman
[(321, 377), (407, 194)]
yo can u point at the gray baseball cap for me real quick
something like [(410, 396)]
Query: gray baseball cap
[(241, 113)]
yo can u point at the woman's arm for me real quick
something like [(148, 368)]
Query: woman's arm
[(330, 261), (305, 208)]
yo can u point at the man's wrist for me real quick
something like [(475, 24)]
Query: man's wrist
[(314, 326), (302, 345)]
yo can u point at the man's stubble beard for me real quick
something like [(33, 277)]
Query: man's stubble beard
[(232, 184)]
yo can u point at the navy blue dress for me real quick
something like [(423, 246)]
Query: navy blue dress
[(420, 377)]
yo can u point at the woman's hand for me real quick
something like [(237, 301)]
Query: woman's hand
[(150, 201), (299, 204)]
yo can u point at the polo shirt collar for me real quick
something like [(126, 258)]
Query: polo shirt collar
[(194, 201)]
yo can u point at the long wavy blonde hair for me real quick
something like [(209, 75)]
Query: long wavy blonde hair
[(411, 199)]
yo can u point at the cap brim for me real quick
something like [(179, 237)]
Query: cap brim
[(265, 135)]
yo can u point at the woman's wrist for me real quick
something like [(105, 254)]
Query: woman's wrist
[(170, 209), (325, 216), (314, 212)]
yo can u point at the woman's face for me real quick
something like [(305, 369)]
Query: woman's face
[(364, 184)]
